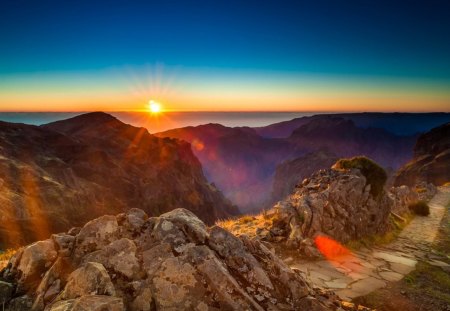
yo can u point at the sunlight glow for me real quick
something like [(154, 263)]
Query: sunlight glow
[(154, 107)]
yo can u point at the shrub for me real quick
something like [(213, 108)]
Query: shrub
[(419, 208), (375, 175)]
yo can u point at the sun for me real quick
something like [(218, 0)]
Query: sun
[(154, 107)]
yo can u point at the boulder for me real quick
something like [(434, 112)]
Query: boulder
[(91, 279), (95, 235), (33, 262)]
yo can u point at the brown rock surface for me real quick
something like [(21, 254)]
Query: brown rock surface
[(181, 265)]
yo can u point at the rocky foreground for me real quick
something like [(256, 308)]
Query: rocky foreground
[(171, 262)]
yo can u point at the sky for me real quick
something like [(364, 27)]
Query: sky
[(336, 55)]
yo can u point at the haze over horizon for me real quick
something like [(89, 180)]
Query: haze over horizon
[(324, 56)]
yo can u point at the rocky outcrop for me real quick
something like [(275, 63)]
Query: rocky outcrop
[(401, 198), (65, 173), (334, 203), (289, 173), (431, 162), (171, 262)]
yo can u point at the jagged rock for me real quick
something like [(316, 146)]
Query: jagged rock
[(91, 279), (96, 234), (401, 198), (340, 205), (119, 256), (34, 262), (64, 243), (425, 190), (171, 262)]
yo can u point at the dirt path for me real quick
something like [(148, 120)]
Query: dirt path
[(367, 270)]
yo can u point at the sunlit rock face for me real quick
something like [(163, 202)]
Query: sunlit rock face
[(171, 262), (431, 162), (65, 173), (334, 203)]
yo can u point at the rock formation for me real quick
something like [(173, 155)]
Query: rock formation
[(335, 203), (172, 262), (65, 173), (431, 162)]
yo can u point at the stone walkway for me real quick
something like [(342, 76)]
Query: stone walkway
[(367, 270)]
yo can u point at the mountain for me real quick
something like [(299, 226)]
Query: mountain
[(345, 139), (403, 124), (242, 163), (292, 172), (65, 173), (237, 160), (431, 162)]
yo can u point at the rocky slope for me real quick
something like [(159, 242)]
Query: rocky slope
[(172, 262), (289, 173), (334, 203), (242, 163), (65, 173), (431, 162)]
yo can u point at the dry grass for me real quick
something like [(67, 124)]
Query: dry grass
[(247, 224), (5, 256)]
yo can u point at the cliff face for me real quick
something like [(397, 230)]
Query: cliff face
[(65, 173), (431, 162)]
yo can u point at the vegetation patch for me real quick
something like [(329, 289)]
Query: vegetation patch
[(381, 239), (419, 208), (375, 175)]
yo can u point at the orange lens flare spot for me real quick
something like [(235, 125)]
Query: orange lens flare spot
[(337, 254), (330, 248)]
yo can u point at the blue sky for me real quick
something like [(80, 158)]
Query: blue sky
[(342, 41)]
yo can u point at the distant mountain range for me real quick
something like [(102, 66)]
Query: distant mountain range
[(242, 161), (399, 123), (64, 173), (431, 161)]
